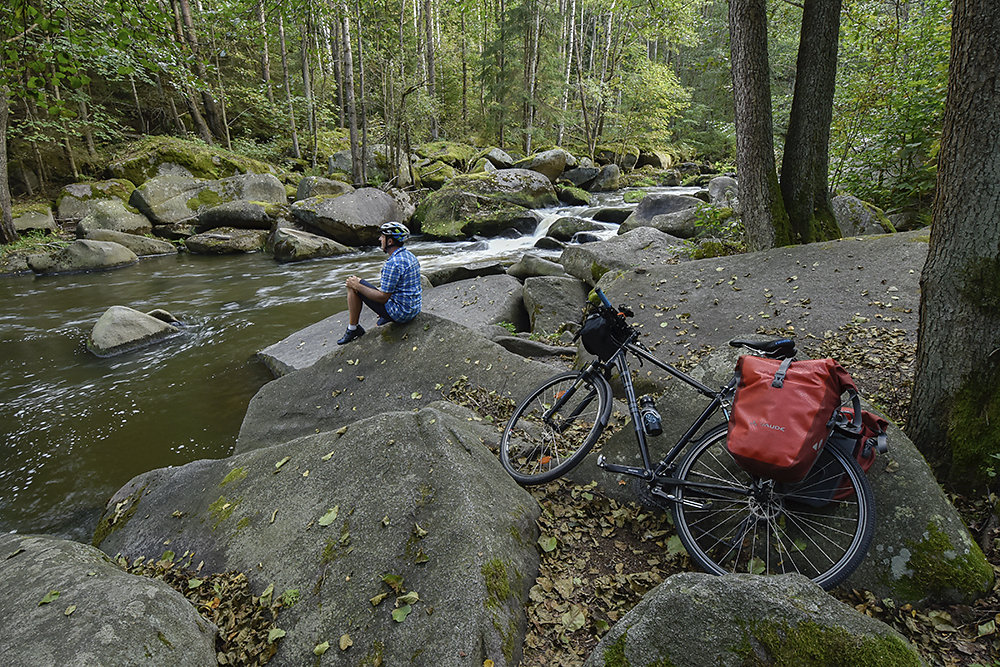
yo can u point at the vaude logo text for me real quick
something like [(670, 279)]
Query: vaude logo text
[(754, 424)]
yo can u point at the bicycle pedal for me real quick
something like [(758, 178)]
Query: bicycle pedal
[(601, 460)]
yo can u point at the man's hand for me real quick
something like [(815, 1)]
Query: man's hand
[(353, 282)]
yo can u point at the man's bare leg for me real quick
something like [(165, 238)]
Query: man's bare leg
[(353, 307)]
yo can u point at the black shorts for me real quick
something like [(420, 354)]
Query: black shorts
[(374, 305)]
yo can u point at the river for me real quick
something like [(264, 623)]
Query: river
[(74, 428)]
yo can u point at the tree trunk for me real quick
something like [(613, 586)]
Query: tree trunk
[(364, 107), (352, 116), (429, 53), (211, 109), (338, 73), (296, 151), (806, 160), (201, 127), (761, 208), (7, 232), (570, 34), (307, 89), (955, 412), (265, 54)]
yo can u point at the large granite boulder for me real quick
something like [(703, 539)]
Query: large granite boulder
[(857, 218), (363, 376), (158, 156), (311, 186), (553, 302), (477, 302), (655, 158), (607, 180), (573, 196), (639, 247), (498, 158), (82, 255), (566, 227), (723, 191), (175, 199), (400, 531), (122, 329), (66, 603), (142, 246), (452, 153), (77, 200), (405, 206), (450, 274), (653, 205), (293, 245), (113, 215), (532, 265), (695, 619), (446, 212), (352, 219), (226, 241), (679, 223), (243, 215), (33, 218), (626, 157), (581, 176), (550, 163), (433, 174)]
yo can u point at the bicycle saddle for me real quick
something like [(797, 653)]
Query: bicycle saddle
[(779, 348)]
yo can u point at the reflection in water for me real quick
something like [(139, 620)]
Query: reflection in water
[(75, 428)]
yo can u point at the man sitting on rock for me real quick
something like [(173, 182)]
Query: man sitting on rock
[(397, 298)]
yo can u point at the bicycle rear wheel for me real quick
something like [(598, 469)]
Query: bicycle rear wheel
[(555, 426), (731, 522)]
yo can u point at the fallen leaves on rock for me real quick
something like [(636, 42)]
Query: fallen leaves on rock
[(248, 634)]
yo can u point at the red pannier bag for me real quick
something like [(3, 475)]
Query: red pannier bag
[(782, 414)]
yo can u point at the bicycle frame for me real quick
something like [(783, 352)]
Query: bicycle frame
[(662, 472)]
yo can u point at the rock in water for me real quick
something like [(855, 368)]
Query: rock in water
[(121, 329)]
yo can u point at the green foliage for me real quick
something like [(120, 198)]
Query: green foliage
[(891, 88)]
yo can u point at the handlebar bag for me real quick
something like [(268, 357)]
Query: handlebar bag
[(782, 414), (599, 337)]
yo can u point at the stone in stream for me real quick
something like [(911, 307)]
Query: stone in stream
[(122, 329)]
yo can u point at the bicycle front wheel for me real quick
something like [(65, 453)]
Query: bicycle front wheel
[(555, 426), (731, 522)]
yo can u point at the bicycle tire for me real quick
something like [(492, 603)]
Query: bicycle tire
[(537, 447), (820, 527)]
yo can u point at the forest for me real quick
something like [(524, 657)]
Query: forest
[(290, 82)]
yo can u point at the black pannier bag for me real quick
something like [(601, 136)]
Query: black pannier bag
[(599, 337)]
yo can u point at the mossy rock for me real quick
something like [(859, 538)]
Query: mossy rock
[(574, 196), (476, 216), (455, 154), (633, 196), (159, 155), (435, 174), (625, 157), (746, 620), (77, 200), (33, 217)]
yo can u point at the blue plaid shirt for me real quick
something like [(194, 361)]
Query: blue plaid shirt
[(401, 279)]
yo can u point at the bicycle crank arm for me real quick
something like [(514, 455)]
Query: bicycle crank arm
[(634, 471)]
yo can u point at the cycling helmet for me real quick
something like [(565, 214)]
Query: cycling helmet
[(395, 230)]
